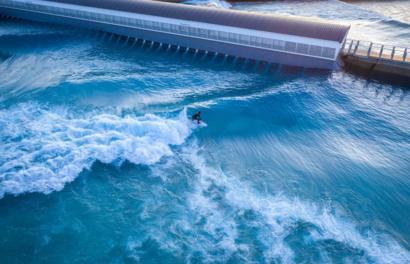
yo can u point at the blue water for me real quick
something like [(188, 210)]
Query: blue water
[(99, 162)]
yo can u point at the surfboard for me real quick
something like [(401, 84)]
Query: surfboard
[(201, 124)]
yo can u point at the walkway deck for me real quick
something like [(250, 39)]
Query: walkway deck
[(373, 59)]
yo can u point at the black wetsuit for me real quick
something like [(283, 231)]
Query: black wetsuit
[(196, 117)]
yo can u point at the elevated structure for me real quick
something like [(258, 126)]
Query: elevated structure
[(274, 39), (391, 63)]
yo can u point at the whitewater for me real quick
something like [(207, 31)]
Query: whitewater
[(100, 162), (45, 148)]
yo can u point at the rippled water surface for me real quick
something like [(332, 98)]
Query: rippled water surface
[(99, 162)]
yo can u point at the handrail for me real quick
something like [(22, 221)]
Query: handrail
[(374, 50)]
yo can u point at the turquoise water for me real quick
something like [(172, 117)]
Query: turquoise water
[(99, 162)]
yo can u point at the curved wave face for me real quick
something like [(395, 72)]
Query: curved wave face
[(100, 162)]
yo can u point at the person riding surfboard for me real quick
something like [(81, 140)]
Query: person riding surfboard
[(197, 117)]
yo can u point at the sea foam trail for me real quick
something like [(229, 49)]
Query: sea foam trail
[(43, 148), (222, 208)]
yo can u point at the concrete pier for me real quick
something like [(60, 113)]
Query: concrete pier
[(270, 38), (383, 62)]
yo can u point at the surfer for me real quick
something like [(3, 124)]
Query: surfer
[(197, 117)]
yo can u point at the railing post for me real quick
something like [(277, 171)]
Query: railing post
[(355, 48), (381, 51), (370, 49), (350, 46), (405, 54), (392, 53), (344, 44)]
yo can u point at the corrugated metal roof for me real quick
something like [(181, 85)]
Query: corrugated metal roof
[(271, 23)]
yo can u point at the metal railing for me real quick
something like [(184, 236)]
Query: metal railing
[(369, 49)]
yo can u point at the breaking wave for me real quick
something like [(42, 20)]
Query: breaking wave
[(228, 219), (44, 148)]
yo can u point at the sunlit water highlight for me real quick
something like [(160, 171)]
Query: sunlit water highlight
[(99, 162)]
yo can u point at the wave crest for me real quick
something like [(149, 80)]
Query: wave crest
[(42, 149)]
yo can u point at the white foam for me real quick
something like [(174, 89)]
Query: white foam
[(211, 3), (42, 149), (277, 218)]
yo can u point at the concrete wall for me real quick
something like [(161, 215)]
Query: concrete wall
[(383, 70), (255, 53)]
